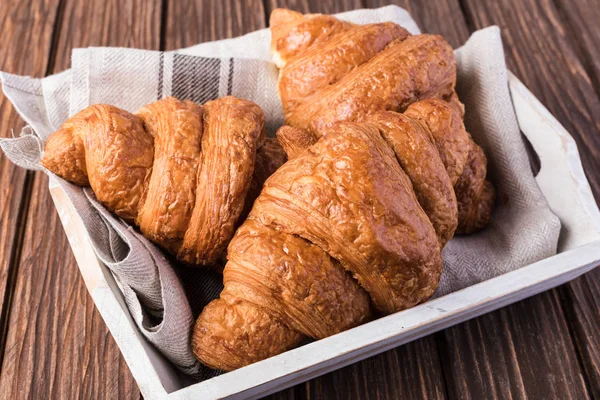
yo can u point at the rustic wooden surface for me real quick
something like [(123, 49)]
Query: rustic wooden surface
[(53, 342)]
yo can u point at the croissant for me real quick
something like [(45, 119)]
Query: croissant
[(269, 157), (350, 72), (293, 32), (178, 170), (430, 126), (345, 230)]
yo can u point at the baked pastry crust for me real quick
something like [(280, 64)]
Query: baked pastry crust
[(406, 71), (472, 198), (295, 140), (295, 280), (293, 32), (420, 160), (177, 130), (354, 72), (342, 204), (233, 130), (179, 170), (269, 157), (233, 335), (349, 196), (464, 160), (366, 188), (321, 66), (107, 148)]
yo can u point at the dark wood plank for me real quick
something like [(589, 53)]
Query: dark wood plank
[(26, 31), (581, 301), (194, 21), (440, 17), (413, 370), (521, 351), (130, 23), (518, 363), (371, 367), (315, 6), (57, 344), (581, 19)]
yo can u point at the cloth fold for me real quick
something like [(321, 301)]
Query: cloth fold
[(523, 229)]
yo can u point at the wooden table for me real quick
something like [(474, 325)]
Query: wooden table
[(53, 342)]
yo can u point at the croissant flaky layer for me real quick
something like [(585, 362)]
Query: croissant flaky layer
[(348, 72), (334, 229), (464, 160), (404, 72), (292, 32), (178, 170)]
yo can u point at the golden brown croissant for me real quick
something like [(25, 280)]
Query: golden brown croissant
[(269, 157), (430, 125), (178, 170), (352, 72), (463, 159), (345, 203), (293, 32)]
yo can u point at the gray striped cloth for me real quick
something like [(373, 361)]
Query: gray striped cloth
[(163, 297)]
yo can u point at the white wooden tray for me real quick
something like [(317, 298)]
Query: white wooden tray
[(562, 181)]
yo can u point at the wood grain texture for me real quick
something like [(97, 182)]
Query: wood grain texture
[(502, 373), (581, 302), (26, 30), (523, 54), (521, 351), (314, 6), (581, 19), (57, 344), (440, 17), (130, 23), (189, 22)]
